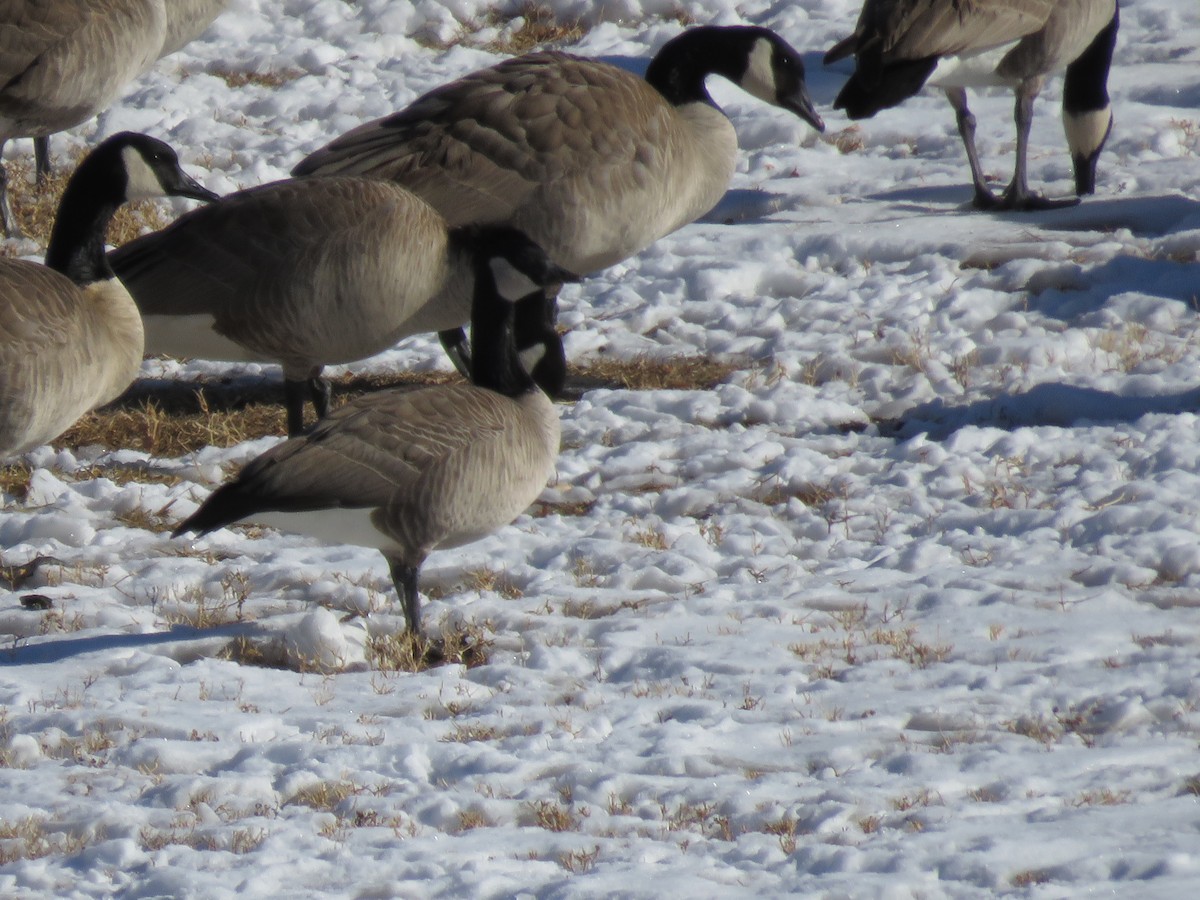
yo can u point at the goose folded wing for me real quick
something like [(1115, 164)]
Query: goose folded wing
[(372, 449)]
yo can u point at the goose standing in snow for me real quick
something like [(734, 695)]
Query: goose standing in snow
[(591, 161), (901, 45), (412, 471), (306, 273), (70, 335)]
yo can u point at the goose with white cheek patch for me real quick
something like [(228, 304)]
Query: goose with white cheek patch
[(901, 45), (306, 273), (413, 471), (594, 163), (70, 334)]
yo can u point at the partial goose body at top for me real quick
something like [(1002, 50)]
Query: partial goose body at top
[(187, 20), (70, 335), (413, 471), (306, 273), (64, 61), (901, 45), (591, 161)]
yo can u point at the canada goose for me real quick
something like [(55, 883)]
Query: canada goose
[(592, 162), (63, 61), (412, 471), (306, 273), (901, 45), (70, 336)]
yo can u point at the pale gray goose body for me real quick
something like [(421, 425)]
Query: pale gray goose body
[(187, 20), (63, 61)]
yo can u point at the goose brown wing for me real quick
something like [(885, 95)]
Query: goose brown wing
[(243, 251), (917, 29), (477, 148), (369, 453)]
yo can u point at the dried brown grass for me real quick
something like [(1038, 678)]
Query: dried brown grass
[(643, 373), (269, 79), (466, 645), (539, 26), (170, 420)]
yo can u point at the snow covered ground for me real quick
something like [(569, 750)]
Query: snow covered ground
[(906, 606)]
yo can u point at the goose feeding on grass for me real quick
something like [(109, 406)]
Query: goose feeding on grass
[(901, 45)]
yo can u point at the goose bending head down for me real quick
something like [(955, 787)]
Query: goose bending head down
[(309, 273), (594, 163), (70, 335), (901, 45), (413, 471)]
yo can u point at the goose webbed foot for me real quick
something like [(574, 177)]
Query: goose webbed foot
[(1028, 201), (1016, 199)]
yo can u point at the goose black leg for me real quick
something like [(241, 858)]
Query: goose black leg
[(295, 392), (41, 156), (404, 577), (320, 391)]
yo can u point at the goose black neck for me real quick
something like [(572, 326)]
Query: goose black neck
[(495, 364), (91, 198), (1085, 86), (679, 68)]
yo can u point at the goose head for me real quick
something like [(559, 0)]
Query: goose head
[(152, 169), (756, 59), (126, 166)]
